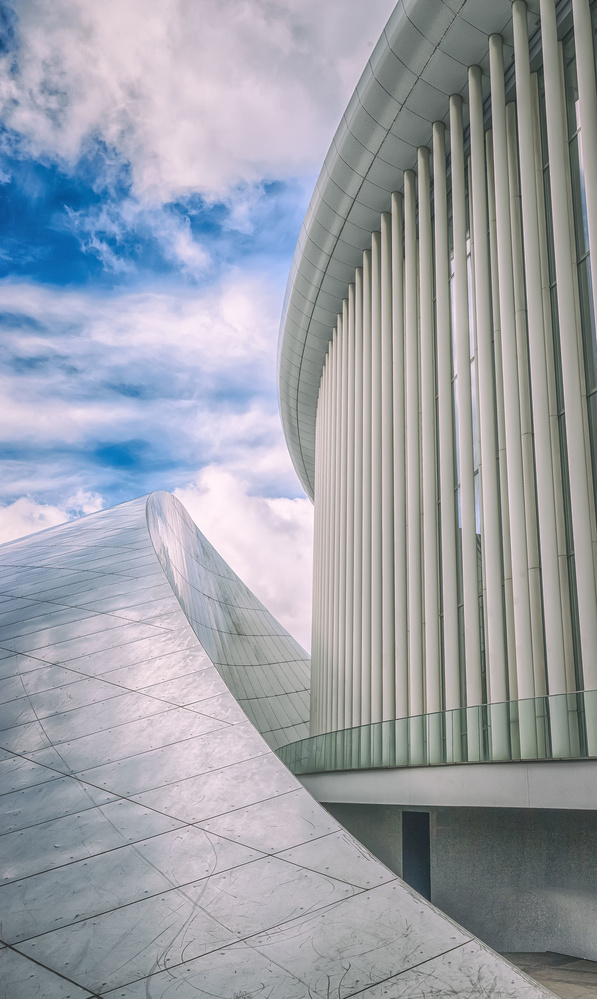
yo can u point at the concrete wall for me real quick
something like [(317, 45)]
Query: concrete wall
[(520, 879), (378, 827)]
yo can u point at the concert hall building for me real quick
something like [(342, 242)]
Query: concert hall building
[(438, 384)]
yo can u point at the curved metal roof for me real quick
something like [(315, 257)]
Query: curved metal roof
[(151, 841), (420, 60)]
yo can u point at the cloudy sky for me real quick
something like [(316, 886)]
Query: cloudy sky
[(156, 160)]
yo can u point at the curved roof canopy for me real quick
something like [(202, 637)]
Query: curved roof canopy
[(420, 60)]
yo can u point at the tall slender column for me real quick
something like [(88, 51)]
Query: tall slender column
[(326, 622), (520, 586), (526, 421), (399, 464), (550, 576), (329, 661), (446, 437), (342, 437), (495, 649), (357, 630), (337, 536), (556, 458), (350, 521), (429, 462), (387, 475), (571, 365), (366, 537), (316, 619), (376, 483), (465, 422), (413, 498), (501, 423), (430, 559), (587, 94)]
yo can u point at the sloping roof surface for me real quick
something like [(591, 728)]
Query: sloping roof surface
[(151, 843)]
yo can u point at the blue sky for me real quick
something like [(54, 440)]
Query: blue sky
[(156, 160)]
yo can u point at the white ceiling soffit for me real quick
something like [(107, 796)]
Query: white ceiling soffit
[(419, 61)]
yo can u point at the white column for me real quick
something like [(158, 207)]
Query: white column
[(413, 497), (367, 512), (585, 72), (399, 468), (376, 484), (495, 633), (550, 576), (343, 439), (357, 630), (501, 422), (430, 555), (326, 546), (337, 373), (350, 521), (556, 459), (495, 652), (327, 721), (520, 587), (446, 437), (387, 475), (526, 422), (571, 365), (318, 512), (465, 423)]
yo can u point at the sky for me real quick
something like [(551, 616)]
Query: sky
[(156, 160)]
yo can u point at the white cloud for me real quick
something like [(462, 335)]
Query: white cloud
[(267, 541), (188, 377), (103, 230), (25, 516), (197, 96), (83, 502)]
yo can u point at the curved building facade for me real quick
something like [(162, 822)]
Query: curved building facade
[(438, 388), (438, 375)]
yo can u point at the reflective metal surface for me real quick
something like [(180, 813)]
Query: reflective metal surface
[(151, 843)]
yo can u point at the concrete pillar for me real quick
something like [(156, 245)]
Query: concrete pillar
[(495, 633), (433, 701), (350, 519), (343, 440), (357, 629), (399, 463), (317, 553), (327, 722), (465, 425), (337, 502), (495, 651), (501, 423), (413, 457), (446, 437), (376, 483), (571, 363), (526, 420), (367, 510), (387, 474), (556, 458), (550, 574), (520, 587)]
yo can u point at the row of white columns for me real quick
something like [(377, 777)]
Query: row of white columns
[(396, 520)]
